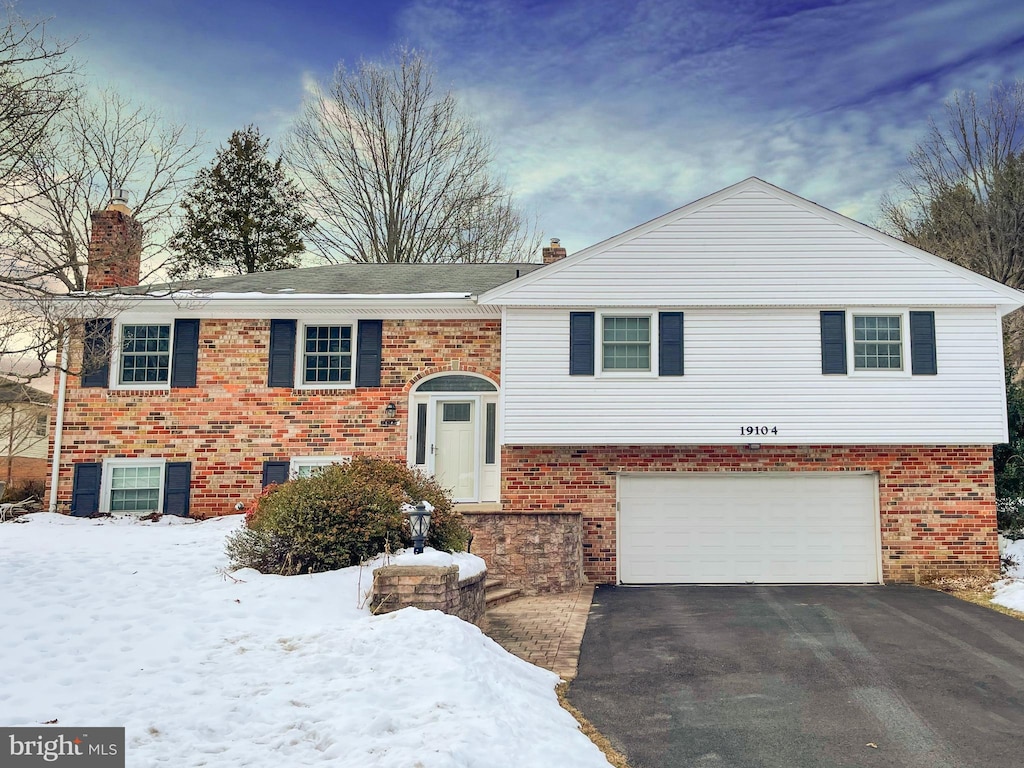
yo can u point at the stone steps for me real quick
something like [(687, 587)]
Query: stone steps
[(496, 593)]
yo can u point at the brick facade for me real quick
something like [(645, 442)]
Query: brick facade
[(937, 503), (231, 422)]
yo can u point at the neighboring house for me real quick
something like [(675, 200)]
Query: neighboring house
[(24, 427), (751, 388)]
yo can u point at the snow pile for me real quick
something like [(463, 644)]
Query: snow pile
[(1010, 591), (117, 622)]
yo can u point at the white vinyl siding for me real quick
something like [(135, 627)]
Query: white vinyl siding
[(754, 367), (750, 249)]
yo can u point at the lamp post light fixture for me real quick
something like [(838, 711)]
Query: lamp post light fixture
[(419, 523)]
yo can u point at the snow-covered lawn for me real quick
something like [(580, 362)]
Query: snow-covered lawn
[(1010, 591), (125, 623)]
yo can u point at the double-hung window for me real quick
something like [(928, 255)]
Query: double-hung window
[(327, 355), (145, 355), (134, 486), (626, 343), (877, 343)]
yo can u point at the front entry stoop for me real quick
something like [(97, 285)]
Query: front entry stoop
[(496, 593)]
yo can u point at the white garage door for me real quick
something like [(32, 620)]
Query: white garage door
[(748, 527)]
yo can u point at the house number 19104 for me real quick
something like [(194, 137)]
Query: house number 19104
[(748, 431)]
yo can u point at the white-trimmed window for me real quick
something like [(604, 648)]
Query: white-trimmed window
[(133, 486), (144, 355), (627, 344), (42, 424), (304, 466), (878, 342), (326, 357)]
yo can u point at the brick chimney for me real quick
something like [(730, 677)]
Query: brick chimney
[(554, 252), (115, 246)]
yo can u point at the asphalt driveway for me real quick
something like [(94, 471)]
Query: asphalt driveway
[(799, 677)]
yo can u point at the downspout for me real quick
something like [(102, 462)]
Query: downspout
[(58, 426)]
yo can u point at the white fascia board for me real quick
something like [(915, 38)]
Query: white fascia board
[(1006, 299), (259, 305)]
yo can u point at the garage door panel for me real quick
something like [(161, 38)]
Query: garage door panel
[(748, 527)]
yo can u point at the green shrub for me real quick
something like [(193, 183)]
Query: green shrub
[(340, 516)]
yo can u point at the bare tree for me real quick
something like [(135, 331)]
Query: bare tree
[(99, 144), (34, 89), (396, 173), (962, 196)]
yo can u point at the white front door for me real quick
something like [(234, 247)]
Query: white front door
[(456, 451)]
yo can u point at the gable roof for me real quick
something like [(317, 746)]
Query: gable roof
[(753, 244), (363, 280)]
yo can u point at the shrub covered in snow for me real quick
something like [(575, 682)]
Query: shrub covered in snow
[(340, 516)]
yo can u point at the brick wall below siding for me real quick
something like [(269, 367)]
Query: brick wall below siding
[(937, 503), (537, 552)]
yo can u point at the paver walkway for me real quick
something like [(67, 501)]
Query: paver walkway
[(545, 630)]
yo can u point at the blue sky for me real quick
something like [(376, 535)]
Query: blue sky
[(604, 113)]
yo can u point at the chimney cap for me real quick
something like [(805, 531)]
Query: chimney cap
[(555, 242), (119, 201)]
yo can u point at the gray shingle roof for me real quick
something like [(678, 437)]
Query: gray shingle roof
[(362, 279), (16, 392)]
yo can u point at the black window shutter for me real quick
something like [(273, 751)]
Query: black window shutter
[(581, 343), (96, 351), (833, 342), (85, 489), (185, 357), (923, 360), (177, 486), (275, 472), (368, 353), (281, 370), (670, 344), (421, 433)]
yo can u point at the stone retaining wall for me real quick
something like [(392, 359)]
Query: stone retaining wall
[(538, 552), (429, 587)]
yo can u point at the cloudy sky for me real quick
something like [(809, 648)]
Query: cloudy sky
[(605, 113)]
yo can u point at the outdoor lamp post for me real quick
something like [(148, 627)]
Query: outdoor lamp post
[(419, 524)]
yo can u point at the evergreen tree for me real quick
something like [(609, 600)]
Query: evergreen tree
[(242, 214)]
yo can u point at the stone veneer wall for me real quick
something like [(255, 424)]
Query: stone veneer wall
[(429, 587), (231, 422), (937, 503), (537, 552)]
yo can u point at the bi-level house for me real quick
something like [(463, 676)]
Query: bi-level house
[(749, 389)]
